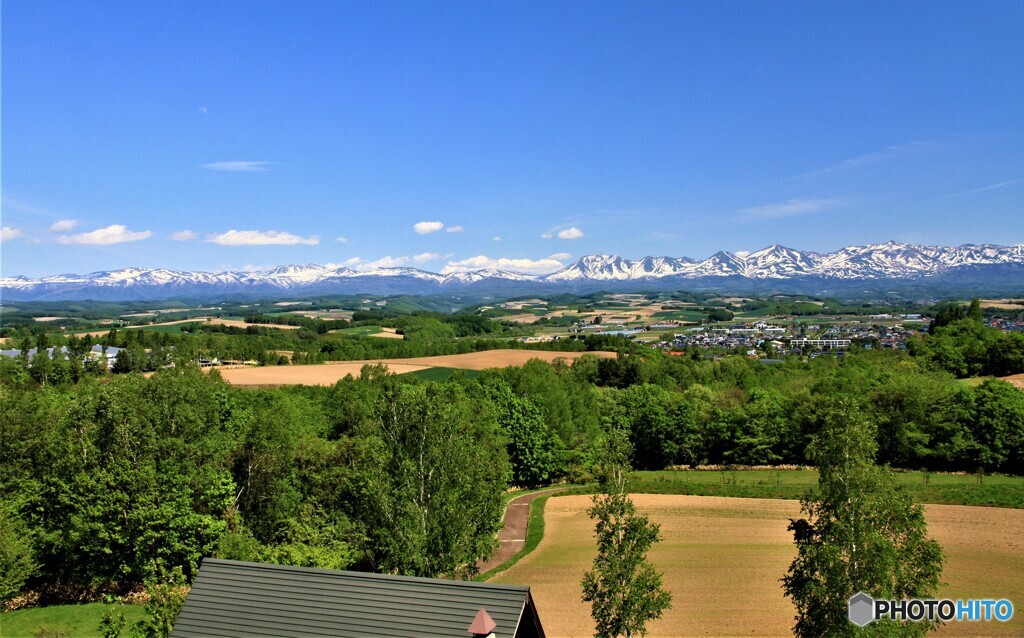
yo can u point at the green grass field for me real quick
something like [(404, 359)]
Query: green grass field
[(679, 315), (949, 489), (172, 329), (441, 375), (358, 331), (64, 620)]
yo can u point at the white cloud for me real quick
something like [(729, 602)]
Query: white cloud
[(63, 225), (342, 240), (529, 266), (570, 233), (454, 229), (741, 253), (115, 234), (984, 188), (496, 238), (261, 238), (246, 167), (425, 228), (183, 235), (384, 262), (875, 157), (425, 257), (560, 256), (546, 236), (791, 208), (7, 233)]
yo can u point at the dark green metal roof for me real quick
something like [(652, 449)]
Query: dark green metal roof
[(233, 598)]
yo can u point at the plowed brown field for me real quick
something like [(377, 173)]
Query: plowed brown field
[(330, 373), (722, 559), (1017, 380)]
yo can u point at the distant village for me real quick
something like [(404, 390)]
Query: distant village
[(765, 339)]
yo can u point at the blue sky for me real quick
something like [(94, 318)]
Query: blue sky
[(215, 135)]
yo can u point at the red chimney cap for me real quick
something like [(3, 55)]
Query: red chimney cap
[(482, 624)]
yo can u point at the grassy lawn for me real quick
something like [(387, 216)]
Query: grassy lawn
[(950, 489), (64, 620)]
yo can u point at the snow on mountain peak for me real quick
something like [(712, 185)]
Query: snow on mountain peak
[(889, 260)]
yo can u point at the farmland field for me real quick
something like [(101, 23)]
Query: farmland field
[(1017, 380), (369, 331), (330, 373), (722, 559), (175, 326)]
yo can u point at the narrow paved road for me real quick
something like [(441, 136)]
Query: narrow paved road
[(512, 537)]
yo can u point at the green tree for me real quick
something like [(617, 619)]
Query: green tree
[(533, 449), (623, 589), (435, 469), (16, 555), (974, 312), (862, 533), (166, 597)]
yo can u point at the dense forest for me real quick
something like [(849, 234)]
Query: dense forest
[(111, 481)]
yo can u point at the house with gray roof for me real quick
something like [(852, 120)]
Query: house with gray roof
[(234, 598)]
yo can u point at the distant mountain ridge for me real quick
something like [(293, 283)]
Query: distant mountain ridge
[(774, 267)]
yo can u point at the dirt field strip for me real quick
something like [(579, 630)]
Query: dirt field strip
[(722, 559), (330, 373), (1016, 379), (388, 333)]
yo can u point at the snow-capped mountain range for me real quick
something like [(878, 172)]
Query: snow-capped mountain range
[(774, 266)]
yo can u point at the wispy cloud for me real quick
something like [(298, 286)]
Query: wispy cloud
[(342, 240), (8, 233), (496, 238), (383, 262), (425, 228), (183, 235), (244, 167), (63, 225), (990, 187), (560, 256), (261, 238), (529, 266), (115, 234), (875, 157), (570, 233), (791, 208), (454, 229), (546, 235), (203, 110)]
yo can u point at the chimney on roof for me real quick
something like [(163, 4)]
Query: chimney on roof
[(482, 625)]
